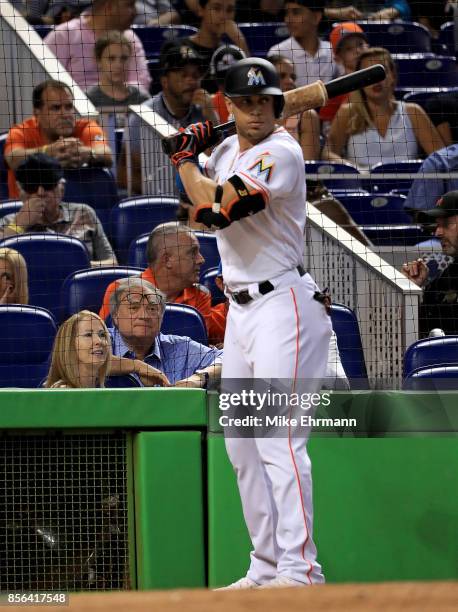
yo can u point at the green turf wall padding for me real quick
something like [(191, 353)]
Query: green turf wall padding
[(169, 510), (385, 509)]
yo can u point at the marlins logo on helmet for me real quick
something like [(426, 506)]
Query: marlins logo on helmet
[(255, 77)]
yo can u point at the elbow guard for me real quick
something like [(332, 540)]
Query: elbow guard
[(245, 204)]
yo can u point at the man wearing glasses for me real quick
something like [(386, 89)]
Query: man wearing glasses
[(137, 309), (41, 188)]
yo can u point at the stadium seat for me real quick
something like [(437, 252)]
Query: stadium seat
[(447, 37), (42, 30), (208, 280), (134, 216), (3, 169), (93, 186), (422, 96), (385, 185), (84, 289), (372, 209), (394, 235), (336, 185), (208, 248), (50, 259), (261, 36), (153, 37), (434, 378), (27, 338), (397, 37), (345, 325), (183, 320), (431, 352), (7, 207), (426, 70)]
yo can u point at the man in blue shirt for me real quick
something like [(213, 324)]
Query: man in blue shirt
[(137, 309), (424, 192)]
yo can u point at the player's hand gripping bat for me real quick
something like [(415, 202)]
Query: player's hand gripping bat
[(300, 99)]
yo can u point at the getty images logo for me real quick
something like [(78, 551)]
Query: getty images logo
[(255, 77)]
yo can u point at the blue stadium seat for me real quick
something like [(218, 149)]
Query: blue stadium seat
[(385, 185), (434, 378), (209, 281), (209, 251), (422, 96), (135, 216), (447, 37), (84, 289), (183, 320), (7, 207), (336, 185), (50, 259), (93, 186), (345, 325), (394, 235), (27, 339), (207, 242), (431, 352), (153, 37), (372, 209), (42, 30), (426, 70), (261, 36), (397, 37), (3, 169)]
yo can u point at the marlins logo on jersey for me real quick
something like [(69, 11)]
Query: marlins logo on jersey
[(255, 77), (262, 168)]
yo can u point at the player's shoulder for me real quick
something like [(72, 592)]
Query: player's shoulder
[(228, 145)]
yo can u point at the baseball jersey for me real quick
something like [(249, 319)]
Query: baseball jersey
[(264, 245)]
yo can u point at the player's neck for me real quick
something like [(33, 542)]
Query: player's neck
[(246, 143)]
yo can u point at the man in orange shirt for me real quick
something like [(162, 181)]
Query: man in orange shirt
[(55, 131), (174, 262)]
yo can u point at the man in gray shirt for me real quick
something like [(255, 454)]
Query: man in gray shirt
[(182, 101), (41, 188)]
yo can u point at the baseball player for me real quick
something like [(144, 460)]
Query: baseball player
[(254, 193)]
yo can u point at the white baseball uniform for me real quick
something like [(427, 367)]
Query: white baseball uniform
[(283, 334)]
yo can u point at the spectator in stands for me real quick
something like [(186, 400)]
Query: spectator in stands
[(222, 59), (217, 21), (155, 12), (41, 189), (82, 357), (311, 57), (439, 308), (13, 278), (112, 53), (182, 101), (73, 42), (81, 353), (55, 131), (425, 192), (137, 308), (432, 13), (303, 127), (174, 262), (50, 12), (373, 10), (348, 42), (373, 127)]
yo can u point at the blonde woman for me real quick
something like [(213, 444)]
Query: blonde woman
[(82, 357), (374, 127), (81, 353), (13, 278)]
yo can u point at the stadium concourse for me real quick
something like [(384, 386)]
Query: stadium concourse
[(395, 597)]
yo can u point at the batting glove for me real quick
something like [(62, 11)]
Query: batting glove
[(189, 142)]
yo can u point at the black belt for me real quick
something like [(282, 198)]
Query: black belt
[(243, 297)]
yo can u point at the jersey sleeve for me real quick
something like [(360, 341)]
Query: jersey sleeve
[(274, 171)]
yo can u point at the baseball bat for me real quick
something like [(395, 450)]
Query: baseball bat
[(311, 96)]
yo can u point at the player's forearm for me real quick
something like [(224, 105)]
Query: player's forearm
[(199, 188)]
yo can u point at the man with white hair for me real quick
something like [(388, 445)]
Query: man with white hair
[(137, 309)]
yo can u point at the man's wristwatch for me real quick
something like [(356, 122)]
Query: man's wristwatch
[(204, 377)]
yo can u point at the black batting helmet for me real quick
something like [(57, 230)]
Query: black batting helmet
[(252, 76)]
